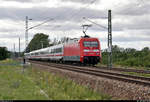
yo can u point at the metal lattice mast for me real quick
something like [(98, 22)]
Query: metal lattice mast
[(19, 47), (26, 34), (14, 51), (109, 40)]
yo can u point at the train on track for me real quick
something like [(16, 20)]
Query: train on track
[(84, 50)]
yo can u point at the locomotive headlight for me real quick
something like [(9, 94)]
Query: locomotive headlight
[(96, 50), (86, 50)]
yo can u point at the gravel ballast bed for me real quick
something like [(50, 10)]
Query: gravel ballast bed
[(116, 89)]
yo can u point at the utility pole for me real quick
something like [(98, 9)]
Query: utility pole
[(14, 50), (26, 29), (19, 47), (109, 40), (26, 33)]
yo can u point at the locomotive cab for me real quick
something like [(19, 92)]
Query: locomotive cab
[(90, 50)]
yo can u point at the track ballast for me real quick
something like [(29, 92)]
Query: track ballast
[(99, 72)]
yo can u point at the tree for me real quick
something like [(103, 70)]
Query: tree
[(145, 51), (4, 53), (39, 40)]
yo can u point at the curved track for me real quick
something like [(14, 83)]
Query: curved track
[(99, 72)]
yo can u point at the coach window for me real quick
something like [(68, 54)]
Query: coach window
[(41, 52), (56, 50), (60, 49), (52, 51)]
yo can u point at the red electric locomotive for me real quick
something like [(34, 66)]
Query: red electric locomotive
[(85, 50)]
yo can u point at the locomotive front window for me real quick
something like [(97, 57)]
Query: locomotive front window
[(90, 44), (94, 44), (87, 43)]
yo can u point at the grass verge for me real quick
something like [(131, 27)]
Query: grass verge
[(123, 66), (35, 84), (137, 74)]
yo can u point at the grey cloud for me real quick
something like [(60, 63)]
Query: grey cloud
[(136, 23), (134, 9), (132, 12), (127, 39), (4, 30), (11, 35), (130, 39), (28, 1), (63, 14), (82, 1), (59, 14), (64, 27)]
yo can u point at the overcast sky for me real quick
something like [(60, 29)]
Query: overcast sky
[(130, 20)]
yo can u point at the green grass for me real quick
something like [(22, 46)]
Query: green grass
[(123, 66), (130, 73), (35, 84), (137, 74)]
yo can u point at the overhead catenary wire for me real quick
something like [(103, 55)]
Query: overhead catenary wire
[(41, 23), (95, 23), (72, 16), (78, 12)]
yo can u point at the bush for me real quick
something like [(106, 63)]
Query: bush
[(128, 57)]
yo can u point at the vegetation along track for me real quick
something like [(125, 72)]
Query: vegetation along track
[(101, 73), (127, 70)]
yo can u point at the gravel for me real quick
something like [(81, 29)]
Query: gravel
[(119, 90)]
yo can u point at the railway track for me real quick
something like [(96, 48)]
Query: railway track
[(100, 73), (127, 70), (118, 69)]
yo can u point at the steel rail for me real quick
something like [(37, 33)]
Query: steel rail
[(110, 75), (127, 70)]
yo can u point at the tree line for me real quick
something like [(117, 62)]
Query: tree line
[(128, 57)]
